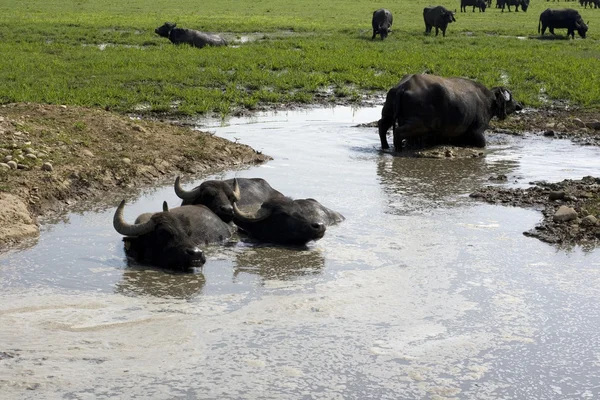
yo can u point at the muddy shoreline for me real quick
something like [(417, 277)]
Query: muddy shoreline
[(56, 159)]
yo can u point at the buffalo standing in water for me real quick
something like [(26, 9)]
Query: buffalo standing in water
[(382, 23), (219, 195), (189, 36), (286, 221), (438, 17), (562, 19), (447, 110), (170, 239)]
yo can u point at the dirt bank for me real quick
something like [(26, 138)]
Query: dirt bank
[(51, 157), (571, 209)]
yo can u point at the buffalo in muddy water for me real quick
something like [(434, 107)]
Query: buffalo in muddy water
[(170, 239), (438, 17), (562, 19), (286, 221), (524, 4), (444, 110), (481, 4), (382, 23), (189, 36), (219, 195)]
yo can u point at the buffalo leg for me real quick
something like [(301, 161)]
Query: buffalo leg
[(473, 139), (374, 34), (384, 124), (436, 31)]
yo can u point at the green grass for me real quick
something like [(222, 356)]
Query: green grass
[(105, 53)]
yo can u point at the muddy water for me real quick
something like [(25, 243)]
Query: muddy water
[(421, 293)]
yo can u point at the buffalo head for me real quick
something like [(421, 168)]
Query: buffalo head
[(165, 30), (581, 27), (162, 239), (281, 221), (218, 196), (524, 5), (504, 104)]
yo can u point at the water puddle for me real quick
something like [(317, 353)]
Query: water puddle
[(421, 292)]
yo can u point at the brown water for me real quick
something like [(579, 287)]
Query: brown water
[(421, 293)]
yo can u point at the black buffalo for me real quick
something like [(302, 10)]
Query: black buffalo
[(286, 221), (189, 36), (585, 3), (481, 4), (562, 19), (219, 195), (170, 239), (382, 23), (446, 110), (438, 17), (524, 4)]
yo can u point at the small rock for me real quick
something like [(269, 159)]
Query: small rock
[(549, 133), (126, 160), (22, 166), (8, 158), (47, 167), (4, 166), (41, 154), (564, 214), (590, 220), (579, 122), (87, 153), (31, 156), (593, 125), (500, 178), (449, 153), (556, 195), (551, 125), (20, 157), (17, 133), (63, 106), (12, 164), (28, 150)]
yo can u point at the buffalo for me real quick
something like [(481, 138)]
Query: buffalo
[(524, 4), (170, 239), (219, 195), (481, 4), (585, 3), (562, 19), (189, 36), (438, 17), (285, 221), (447, 110), (382, 23)]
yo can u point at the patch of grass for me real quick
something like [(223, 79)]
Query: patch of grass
[(105, 54)]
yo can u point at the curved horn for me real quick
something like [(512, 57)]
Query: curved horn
[(185, 194), (130, 230), (246, 217), (236, 190), (165, 206)]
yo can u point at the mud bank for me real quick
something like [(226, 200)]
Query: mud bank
[(52, 157), (571, 209)]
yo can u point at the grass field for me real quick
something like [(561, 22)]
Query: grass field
[(106, 54)]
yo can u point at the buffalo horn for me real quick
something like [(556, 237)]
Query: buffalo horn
[(236, 190), (130, 230), (185, 194), (246, 217), (165, 206)]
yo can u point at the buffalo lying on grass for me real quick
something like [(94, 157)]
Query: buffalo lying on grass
[(447, 110), (286, 221), (219, 195), (189, 36), (438, 17), (382, 23), (170, 239), (568, 19)]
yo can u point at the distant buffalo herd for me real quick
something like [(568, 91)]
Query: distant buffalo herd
[(439, 17)]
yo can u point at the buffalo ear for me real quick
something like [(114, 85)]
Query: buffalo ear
[(500, 103)]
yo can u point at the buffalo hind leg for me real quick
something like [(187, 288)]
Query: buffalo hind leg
[(374, 34)]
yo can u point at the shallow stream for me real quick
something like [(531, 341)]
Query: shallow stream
[(422, 292)]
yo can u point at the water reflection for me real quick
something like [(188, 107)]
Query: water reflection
[(279, 262), (138, 281), (424, 183)]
